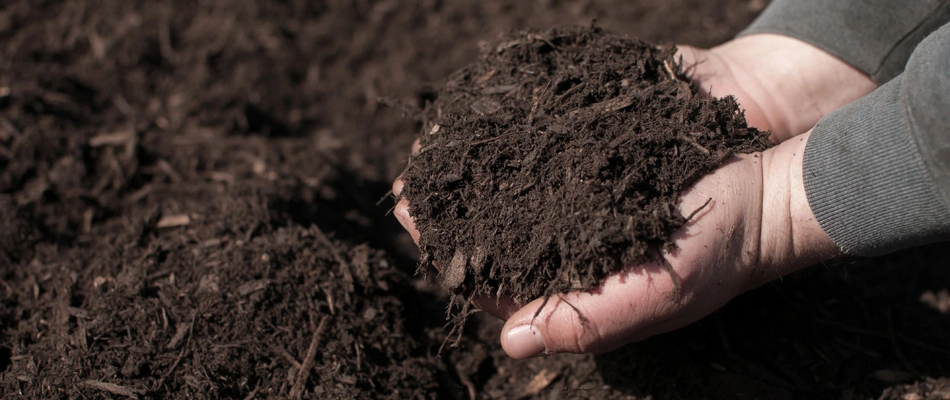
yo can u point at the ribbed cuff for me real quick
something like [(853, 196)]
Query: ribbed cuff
[(866, 181), (875, 36)]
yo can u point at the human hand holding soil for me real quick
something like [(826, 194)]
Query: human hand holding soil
[(756, 227), (783, 84)]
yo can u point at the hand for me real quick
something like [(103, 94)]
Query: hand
[(783, 84), (501, 308), (757, 227)]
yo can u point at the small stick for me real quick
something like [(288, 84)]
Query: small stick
[(537, 100), (472, 394), (111, 388), (347, 269), (297, 391), (696, 211), (253, 393), (293, 361), (161, 381)]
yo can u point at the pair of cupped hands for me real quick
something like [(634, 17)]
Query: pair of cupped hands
[(757, 227)]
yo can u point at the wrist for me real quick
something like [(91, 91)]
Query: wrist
[(791, 237)]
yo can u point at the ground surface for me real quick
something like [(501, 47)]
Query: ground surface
[(189, 196)]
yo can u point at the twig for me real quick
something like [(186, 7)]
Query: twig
[(112, 388), (696, 211), (161, 381), (287, 356), (347, 270), (537, 100), (696, 144), (253, 392), (467, 382), (297, 391)]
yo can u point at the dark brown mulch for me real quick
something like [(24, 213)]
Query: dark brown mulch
[(557, 159), (178, 161)]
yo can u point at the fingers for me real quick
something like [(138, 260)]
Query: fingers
[(416, 147), (398, 184), (407, 221), (502, 308), (628, 307), (401, 211)]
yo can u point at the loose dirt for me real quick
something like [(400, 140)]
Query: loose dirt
[(188, 194), (557, 159)]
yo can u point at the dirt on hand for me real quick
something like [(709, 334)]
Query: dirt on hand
[(558, 158)]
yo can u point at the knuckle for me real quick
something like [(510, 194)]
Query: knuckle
[(578, 333)]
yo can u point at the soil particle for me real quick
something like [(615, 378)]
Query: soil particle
[(558, 157)]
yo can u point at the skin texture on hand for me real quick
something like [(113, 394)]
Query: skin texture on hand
[(783, 84), (757, 225)]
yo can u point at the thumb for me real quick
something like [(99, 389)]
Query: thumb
[(627, 307)]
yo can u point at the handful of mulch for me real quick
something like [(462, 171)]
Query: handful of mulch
[(558, 158)]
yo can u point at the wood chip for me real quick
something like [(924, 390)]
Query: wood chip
[(180, 332), (539, 383), (110, 139), (113, 388), (616, 104), (485, 106), (301, 379), (486, 77), (171, 221), (454, 274), (499, 89), (606, 107), (253, 286), (478, 259)]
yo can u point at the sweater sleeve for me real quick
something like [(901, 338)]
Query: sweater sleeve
[(877, 172), (875, 36)]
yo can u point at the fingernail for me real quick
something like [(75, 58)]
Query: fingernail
[(524, 341)]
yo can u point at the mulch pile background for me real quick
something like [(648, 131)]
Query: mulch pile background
[(189, 195)]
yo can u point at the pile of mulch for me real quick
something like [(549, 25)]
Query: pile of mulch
[(557, 159), (287, 313), (169, 171)]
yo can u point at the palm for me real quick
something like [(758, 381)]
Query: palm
[(757, 226), (713, 261)]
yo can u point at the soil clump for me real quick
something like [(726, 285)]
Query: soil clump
[(557, 159)]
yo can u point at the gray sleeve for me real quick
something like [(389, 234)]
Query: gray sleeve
[(875, 36), (877, 172)]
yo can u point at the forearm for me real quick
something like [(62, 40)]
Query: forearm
[(875, 36), (877, 172)]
